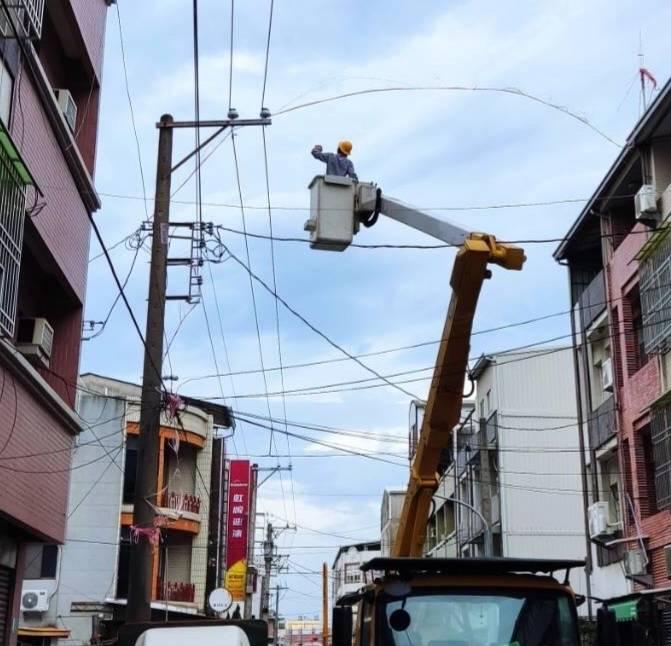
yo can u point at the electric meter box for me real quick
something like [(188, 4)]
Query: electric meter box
[(332, 222)]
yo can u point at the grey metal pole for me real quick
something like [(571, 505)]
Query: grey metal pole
[(489, 539), (141, 554)]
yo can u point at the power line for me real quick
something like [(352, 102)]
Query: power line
[(311, 326), (274, 275), (454, 88), (120, 287), (253, 295), (132, 111), (265, 67), (103, 323)]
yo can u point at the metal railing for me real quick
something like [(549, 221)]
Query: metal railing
[(592, 301), (602, 423), (12, 218), (183, 502), (655, 290), (27, 16), (176, 591), (660, 434)]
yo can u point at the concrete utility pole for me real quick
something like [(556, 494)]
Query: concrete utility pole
[(268, 552), (325, 604), (277, 589), (140, 579)]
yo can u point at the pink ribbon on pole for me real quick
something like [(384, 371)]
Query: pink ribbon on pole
[(152, 534)]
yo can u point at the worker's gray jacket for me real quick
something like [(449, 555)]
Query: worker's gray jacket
[(336, 164)]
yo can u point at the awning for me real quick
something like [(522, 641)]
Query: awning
[(43, 631), (625, 610), (14, 157)]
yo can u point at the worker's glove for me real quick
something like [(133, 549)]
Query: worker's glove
[(317, 148)]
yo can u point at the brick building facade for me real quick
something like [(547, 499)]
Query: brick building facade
[(51, 56), (618, 256)]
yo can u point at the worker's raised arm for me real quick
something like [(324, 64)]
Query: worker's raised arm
[(318, 154)]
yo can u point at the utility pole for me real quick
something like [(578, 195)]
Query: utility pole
[(278, 589), (325, 604), (268, 553), (140, 580), (141, 556)]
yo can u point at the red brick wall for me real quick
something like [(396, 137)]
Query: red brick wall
[(637, 392), (38, 497), (63, 224)]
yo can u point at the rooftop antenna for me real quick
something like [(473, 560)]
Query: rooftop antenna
[(644, 73)]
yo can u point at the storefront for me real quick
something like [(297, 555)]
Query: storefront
[(639, 619)]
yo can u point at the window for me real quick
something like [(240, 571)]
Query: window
[(130, 470), (610, 485), (12, 219), (6, 89), (41, 561), (633, 331), (655, 295), (599, 357), (531, 618), (645, 463), (660, 439), (352, 573), (124, 563)]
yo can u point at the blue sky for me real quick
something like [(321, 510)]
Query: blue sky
[(429, 148)]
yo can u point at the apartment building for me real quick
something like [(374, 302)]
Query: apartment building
[(51, 56), (618, 254), (515, 467), (80, 588), (345, 571), (346, 574)]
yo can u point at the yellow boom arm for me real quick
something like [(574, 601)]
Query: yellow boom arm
[(443, 408)]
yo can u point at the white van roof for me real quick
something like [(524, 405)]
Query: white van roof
[(194, 636)]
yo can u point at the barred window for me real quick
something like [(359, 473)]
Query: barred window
[(14, 177), (660, 435), (655, 289)]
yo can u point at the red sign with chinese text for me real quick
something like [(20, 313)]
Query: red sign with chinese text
[(238, 527)]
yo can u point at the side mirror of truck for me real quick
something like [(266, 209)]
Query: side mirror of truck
[(606, 628), (342, 626)]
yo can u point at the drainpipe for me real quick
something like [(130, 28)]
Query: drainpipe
[(589, 565)]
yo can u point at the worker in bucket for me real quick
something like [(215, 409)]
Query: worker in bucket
[(337, 163)]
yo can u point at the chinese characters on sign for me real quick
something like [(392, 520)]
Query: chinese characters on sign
[(237, 532)]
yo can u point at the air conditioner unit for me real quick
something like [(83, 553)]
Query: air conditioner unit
[(645, 202), (635, 562), (607, 375), (35, 601), (600, 525), (68, 107), (35, 339)]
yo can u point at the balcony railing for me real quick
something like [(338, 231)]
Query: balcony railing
[(176, 591), (602, 423), (183, 502), (26, 15), (592, 301)]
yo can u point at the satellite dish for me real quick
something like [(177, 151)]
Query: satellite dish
[(220, 600)]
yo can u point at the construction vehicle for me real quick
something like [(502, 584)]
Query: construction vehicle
[(414, 601)]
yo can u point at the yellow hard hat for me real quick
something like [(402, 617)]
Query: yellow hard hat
[(345, 146)]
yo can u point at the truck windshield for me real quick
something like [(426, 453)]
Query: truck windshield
[(533, 618)]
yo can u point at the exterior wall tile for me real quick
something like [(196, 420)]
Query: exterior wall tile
[(34, 490)]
